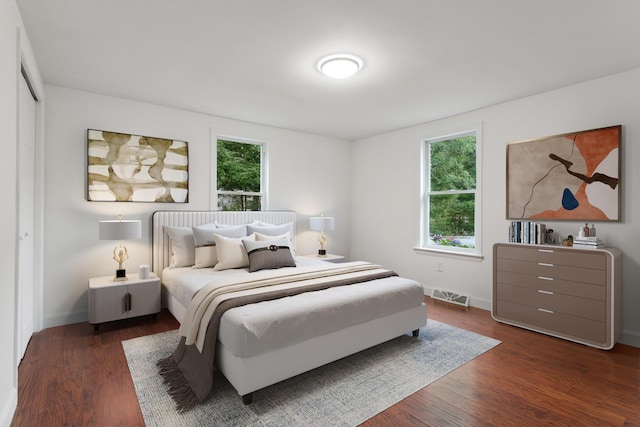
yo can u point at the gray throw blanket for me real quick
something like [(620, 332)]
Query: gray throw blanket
[(188, 373)]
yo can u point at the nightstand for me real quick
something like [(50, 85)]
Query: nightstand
[(327, 257), (110, 300)]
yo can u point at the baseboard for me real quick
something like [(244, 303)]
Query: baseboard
[(9, 408), (66, 319), (631, 338)]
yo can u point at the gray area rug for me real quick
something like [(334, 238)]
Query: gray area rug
[(343, 393)]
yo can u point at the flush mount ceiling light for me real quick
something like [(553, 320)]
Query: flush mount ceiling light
[(340, 65)]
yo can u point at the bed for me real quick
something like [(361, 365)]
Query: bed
[(262, 343)]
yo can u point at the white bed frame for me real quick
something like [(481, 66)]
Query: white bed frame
[(248, 374)]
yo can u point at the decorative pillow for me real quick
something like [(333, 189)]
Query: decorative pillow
[(221, 225), (270, 230), (201, 234), (231, 252), (265, 237), (268, 254), (183, 248), (273, 230), (204, 235), (259, 223)]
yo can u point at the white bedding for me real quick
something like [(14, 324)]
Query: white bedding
[(265, 326), (261, 327), (183, 282)]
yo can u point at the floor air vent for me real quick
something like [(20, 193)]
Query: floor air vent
[(450, 296)]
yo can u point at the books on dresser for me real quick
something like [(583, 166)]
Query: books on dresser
[(588, 243)]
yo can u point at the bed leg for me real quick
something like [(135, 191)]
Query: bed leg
[(415, 332), (247, 399)]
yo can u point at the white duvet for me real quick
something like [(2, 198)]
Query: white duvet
[(261, 327)]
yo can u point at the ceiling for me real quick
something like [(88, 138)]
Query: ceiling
[(256, 60)]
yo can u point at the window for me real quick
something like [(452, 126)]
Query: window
[(240, 175), (450, 208)]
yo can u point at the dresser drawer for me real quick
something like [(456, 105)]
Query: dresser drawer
[(558, 303), (558, 256), (552, 271), (572, 327), (559, 286)]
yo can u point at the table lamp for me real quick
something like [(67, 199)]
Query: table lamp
[(321, 223), (120, 230)]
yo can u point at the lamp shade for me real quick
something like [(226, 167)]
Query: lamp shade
[(321, 223), (120, 230)]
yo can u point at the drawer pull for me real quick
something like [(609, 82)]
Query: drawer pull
[(545, 310), (546, 250), (545, 292), (545, 264), (545, 278)]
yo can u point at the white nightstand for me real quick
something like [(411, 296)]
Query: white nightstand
[(327, 257), (110, 300)]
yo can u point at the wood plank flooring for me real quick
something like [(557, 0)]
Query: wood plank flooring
[(73, 377)]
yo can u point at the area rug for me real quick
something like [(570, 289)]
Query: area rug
[(343, 393)]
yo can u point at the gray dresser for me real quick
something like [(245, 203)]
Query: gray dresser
[(569, 293)]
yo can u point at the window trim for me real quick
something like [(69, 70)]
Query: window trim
[(424, 193), (213, 178)]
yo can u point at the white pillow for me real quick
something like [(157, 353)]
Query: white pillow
[(221, 225), (183, 247), (231, 252), (274, 230), (259, 223), (271, 230), (206, 252), (265, 237), (202, 234)]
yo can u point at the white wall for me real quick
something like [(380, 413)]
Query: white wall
[(386, 186), (14, 51), (308, 174)]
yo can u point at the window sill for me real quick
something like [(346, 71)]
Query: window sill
[(433, 250)]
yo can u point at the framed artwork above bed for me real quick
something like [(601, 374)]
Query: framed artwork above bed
[(123, 167), (573, 176)]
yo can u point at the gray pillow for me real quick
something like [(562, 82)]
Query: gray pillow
[(269, 254)]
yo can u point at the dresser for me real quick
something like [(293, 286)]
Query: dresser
[(566, 292)]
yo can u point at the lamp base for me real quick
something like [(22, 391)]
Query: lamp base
[(121, 276), (322, 252)]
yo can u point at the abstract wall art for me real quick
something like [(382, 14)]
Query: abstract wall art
[(574, 176), (123, 167)]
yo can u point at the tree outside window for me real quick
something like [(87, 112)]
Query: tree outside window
[(239, 175), (450, 192)]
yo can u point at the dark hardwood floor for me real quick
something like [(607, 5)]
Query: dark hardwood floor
[(73, 377)]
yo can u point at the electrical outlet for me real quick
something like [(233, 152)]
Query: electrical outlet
[(439, 266)]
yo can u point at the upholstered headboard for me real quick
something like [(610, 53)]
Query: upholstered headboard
[(161, 244)]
